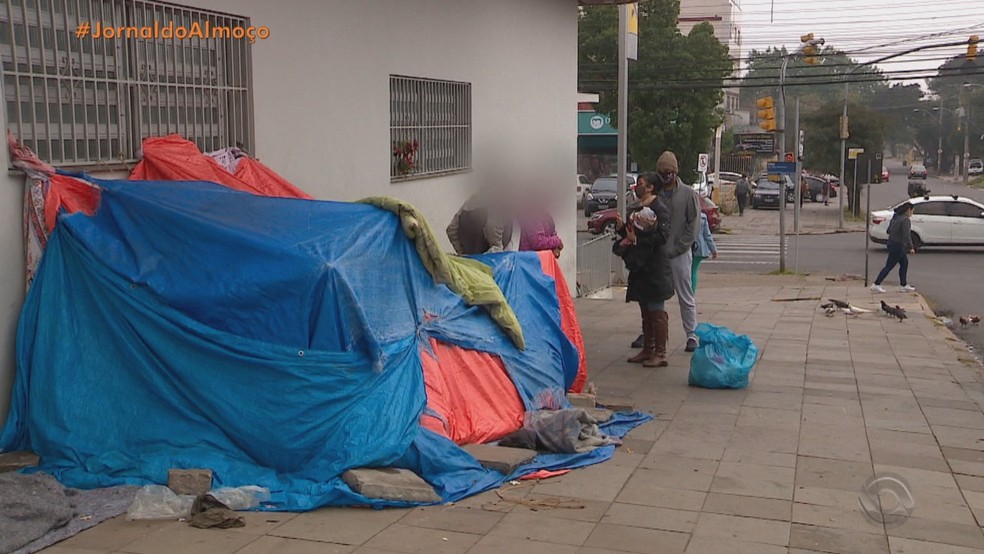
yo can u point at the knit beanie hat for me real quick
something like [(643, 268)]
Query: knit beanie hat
[(667, 162)]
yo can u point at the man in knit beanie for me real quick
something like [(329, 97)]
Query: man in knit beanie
[(684, 206)]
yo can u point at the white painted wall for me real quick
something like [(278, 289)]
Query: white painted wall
[(321, 95)]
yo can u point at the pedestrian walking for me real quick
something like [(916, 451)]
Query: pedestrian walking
[(899, 246), (742, 189), (683, 204), (704, 248), (641, 243)]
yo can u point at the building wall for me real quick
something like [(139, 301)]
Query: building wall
[(725, 17), (321, 96)]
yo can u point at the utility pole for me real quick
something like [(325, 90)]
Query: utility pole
[(966, 153), (781, 139), (623, 106), (798, 177), (939, 148)]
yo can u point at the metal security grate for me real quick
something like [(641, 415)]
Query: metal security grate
[(437, 115), (82, 101)]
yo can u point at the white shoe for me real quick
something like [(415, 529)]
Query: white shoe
[(907, 288), (877, 288)]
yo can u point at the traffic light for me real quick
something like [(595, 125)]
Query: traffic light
[(809, 48), (972, 48), (790, 157), (766, 113)]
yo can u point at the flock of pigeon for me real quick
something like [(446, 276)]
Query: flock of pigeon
[(833, 306)]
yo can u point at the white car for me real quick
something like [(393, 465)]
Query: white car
[(702, 186), (583, 187), (975, 167), (936, 221)]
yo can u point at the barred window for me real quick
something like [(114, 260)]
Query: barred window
[(77, 100), (430, 127)]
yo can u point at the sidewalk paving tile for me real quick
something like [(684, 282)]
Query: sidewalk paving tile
[(703, 544), (908, 546), (453, 518), (748, 506), (941, 532), (754, 480), (837, 541), (830, 516), (739, 528), (339, 525), (664, 519), (495, 544), (279, 545), (181, 538), (637, 539), (533, 526), (417, 540)]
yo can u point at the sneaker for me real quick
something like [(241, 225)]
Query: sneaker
[(639, 342), (907, 288), (877, 288), (691, 344)]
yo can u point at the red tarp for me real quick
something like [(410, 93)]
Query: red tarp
[(173, 158)]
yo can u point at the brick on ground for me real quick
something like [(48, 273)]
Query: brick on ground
[(189, 481), (390, 484), (503, 459), (616, 403), (13, 461), (581, 400)]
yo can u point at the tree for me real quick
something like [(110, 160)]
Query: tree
[(815, 85), (900, 104), (822, 144), (948, 84), (675, 87)]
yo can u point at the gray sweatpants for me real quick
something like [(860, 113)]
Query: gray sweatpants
[(682, 267)]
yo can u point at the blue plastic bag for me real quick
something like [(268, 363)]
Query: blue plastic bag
[(723, 360)]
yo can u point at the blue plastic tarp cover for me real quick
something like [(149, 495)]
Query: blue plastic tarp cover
[(274, 341)]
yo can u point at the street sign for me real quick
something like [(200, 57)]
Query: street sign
[(781, 167), (853, 153), (703, 160), (758, 143)]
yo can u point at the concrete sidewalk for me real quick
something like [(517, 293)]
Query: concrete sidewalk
[(776, 468), (815, 218)]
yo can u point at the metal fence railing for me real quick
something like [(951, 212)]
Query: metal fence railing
[(597, 268)]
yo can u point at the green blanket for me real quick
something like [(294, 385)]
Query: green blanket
[(470, 279)]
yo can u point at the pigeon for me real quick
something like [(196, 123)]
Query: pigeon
[(894, 311), (839, 303), (966, 320), (827, 306), (830, 310)]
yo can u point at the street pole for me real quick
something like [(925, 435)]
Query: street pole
[(939, 148), (623, 107), (843, 177), (867, 221), (966, 156), (781, 135), (717, 154), (855, 192), (798, 177)]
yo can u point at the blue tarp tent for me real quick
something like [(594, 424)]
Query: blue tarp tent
[(276, 341)]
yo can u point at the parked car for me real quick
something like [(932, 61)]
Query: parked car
[(703, 185), (604, 220), (936, 221), (918, 171), (603, 194), (767, 192), (816, 186), (583, 186), (975, 167)]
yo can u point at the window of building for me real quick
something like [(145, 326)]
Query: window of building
[(78, 100), (436, 117)]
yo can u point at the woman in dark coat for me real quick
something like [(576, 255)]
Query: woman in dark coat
[(640, 244)]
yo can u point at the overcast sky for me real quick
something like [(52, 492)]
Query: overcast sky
[(866, 29)]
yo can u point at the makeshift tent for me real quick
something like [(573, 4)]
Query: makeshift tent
[(277, 341)]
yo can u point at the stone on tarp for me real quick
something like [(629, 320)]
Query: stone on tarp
[(190, 482), (581, 400), (616, 403), (13, 461), (503, 459), (600, 414), (390, 484)]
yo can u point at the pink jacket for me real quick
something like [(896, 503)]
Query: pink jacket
[(539, 234)]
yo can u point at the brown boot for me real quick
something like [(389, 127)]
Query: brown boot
[(647, 337), (660, 325)]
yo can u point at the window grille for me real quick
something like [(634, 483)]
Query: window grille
[(437, 116), (83, 101)]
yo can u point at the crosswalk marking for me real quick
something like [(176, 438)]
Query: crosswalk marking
[(747, 249)]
